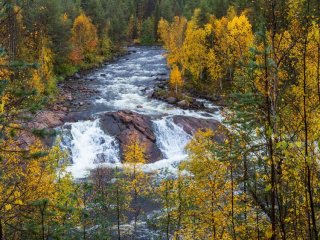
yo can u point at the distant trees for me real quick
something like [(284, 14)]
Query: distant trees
[(84, 40), (172, 36), (209, 53), (195, 48), (268, 69), (259, 181), (148, 36)]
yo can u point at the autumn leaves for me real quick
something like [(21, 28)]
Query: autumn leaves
[(84, 39), (205, 55)]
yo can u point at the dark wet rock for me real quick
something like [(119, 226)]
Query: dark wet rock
[(77, 76), (139, 106), (216, 98), (102, 141), (100, 158), (103, 75), (214, 110), (162, 85), (144, 89), (160, 79), (191, 125), (183, 104), (126, 125), (171, 100), (150, 94), (197, 104), (77, 116)]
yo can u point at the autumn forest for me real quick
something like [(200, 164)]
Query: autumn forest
[(159, 119)]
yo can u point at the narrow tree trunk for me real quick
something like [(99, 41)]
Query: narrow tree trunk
[(318, 66), (270, 147), (1, 231), (168, 212), (179, 207), (118, 213), (306, 129), (232, 204)]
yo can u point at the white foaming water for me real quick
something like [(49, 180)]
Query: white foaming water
[(171, 140), (90, 146)]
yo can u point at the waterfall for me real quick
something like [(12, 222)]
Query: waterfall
[(171, 140), (89, 146)]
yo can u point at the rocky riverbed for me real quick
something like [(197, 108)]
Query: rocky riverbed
[(97, 114)]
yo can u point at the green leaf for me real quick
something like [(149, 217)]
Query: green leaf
[(268, 188)]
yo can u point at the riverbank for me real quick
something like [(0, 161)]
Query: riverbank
[(123, 95)]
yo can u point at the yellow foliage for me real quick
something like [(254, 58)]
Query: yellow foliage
[(43, 77), (233, 37), (84, 39), (172, 36), (134, 158), (214, 68), (240, 36), (195, 48), (27, 177), (207, 213), (134, 153), (176, 80)]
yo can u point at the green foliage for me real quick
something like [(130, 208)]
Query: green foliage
[(147, 32)]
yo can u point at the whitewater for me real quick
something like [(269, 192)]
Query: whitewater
[(125, 85)]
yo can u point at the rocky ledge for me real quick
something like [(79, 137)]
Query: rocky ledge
[(126, 125), (191, 125)]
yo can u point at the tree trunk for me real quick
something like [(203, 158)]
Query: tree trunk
[(306, 129)]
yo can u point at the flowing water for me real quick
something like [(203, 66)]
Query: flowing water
[(125, 85)]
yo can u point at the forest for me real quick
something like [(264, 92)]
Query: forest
[(256, 176)]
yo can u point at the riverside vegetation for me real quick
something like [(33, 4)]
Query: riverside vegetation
[(261, 182)]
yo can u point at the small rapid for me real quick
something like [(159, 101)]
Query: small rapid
[(89, 147), (172, 140)]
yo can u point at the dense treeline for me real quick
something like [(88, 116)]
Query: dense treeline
[(40, 43), (261, 182)]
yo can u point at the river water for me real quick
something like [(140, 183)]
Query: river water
[(125, 85)]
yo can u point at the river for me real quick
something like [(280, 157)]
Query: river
[(126, 85)]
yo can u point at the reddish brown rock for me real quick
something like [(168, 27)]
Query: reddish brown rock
[(43, 120), (48, 119), (191, 125), (127, 125)]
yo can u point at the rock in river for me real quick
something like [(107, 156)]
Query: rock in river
[(183, 104), (191, 125), (171, 100), (126, 125)]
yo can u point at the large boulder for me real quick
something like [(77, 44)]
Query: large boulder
[(183, 104), (44, 120), (48, 119), (171, 100), (191, 125), (127, 125)]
